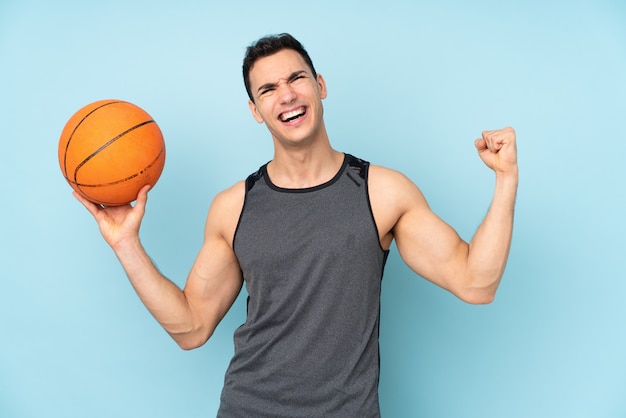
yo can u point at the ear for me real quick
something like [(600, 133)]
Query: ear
[(321, 85), (255, 112)]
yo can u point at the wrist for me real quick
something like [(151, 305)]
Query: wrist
[(130, 243), (510, 177)]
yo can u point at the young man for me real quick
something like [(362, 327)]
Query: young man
[(309, 234)]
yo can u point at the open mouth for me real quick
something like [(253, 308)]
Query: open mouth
[(292, 115)]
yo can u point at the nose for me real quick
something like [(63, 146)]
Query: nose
[(286, 92)]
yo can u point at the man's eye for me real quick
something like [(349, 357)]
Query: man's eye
[(297, 77)]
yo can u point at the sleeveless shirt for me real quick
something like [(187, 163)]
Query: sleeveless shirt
[(312, 264)]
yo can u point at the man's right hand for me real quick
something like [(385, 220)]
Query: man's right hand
[(118, 223)]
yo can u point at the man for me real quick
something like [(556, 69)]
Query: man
[(309, 233)]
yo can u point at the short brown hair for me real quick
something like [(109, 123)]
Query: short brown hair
[(269, 45)]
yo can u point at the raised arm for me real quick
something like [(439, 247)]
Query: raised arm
[(430, 247), (189, 315), (489, 248)]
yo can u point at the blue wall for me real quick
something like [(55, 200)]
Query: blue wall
[(411, 85)]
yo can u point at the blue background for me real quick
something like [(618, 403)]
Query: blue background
[(411, 85)]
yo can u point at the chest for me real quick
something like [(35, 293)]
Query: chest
[(279, 231)]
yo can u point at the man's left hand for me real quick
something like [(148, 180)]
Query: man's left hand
[(498, 150)]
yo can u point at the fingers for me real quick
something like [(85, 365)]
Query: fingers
[(480, 144), (497, 149), (94, 209), (91, 207), (142, 197), (494, 140)]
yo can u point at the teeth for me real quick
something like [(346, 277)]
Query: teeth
[(292, 115)]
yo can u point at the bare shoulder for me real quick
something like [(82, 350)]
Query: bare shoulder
[(392, 187), (232, 196), (225, 210), (392, 195)]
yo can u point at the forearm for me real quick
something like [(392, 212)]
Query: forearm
[(164, 299), (489, 248)]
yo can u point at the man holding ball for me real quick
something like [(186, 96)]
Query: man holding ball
[(308, 234)]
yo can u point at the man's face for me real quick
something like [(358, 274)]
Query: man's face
[(287, 98)]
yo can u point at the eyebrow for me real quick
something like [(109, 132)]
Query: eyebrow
[(271, 85)]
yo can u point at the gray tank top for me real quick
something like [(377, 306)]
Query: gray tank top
[(312, 264)]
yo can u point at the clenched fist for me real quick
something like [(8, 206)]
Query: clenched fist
[(498, 150)]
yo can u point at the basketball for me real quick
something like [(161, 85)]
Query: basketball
[(110, 149)]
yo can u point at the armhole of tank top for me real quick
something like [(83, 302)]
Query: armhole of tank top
[(245, 198), (369, 205), (250, 181)]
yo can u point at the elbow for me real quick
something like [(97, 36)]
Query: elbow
[(190, 340), (188, 345), (483, 295), (480, 289), (478, 298)]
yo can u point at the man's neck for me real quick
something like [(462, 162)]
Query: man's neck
[(298, 169)]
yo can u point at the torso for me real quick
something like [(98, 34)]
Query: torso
[(312, 261)]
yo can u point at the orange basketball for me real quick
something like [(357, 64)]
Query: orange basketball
[(110, 149)]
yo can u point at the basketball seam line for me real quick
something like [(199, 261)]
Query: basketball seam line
[(93, 154), (120, 180), (67, 145)]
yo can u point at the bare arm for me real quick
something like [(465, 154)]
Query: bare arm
[(190, 315), (489, 248), (472, 271)]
